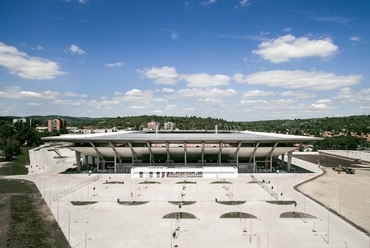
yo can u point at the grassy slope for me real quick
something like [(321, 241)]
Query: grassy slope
[(16, 166), (25, 219)]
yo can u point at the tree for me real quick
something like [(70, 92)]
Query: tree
[(11, 148)]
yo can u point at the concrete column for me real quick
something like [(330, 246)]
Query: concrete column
[(185, 159), (115, 162), (282, 160), (270, 163), (78, 160), (97, 163), (290, 155), (203, 146)]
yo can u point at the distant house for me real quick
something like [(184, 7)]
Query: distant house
[(42, 129), (169, 126), (19, 120), (153, 125), (56, 124)]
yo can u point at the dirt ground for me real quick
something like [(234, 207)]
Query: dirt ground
[(346, 194)]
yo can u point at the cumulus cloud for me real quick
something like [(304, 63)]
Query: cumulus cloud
[(347, 95), (269, 105), (135, 95), (209, 95), (168, 90), (26, 66), (205, 80), (298, 94), (72, 94), (288, 47), (312, 80), (325, 101), (258, 93), (162, 75), (319, 106), (16, 92), (168, 75), (68, 102), (73, 49), (118, 64), (105, 104)]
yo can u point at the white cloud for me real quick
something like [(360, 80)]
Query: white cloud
[(82, 1), (258, 93), (75, 50), (118, 64), (288, 47), (169, 75), (25, 66), (168, 90), (298, 94), (325, 101), (244, 3), (163, 75), (68, 102), (206, 95), (135, 96), (16, 92), (38, 48), (170, 106), (336, 19), (208, 2), (311, 80), (319, 106), (205, 80), (347, 95), (355, 38), (105, 104), (287, 29), (72, 94), (34, 104)]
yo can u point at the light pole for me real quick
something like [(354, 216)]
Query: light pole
[(328, 224), (340, 200)]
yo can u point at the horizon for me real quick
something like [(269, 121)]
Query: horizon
[(240, 60), (165, 116)]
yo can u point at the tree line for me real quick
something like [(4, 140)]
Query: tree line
[(346, 132)]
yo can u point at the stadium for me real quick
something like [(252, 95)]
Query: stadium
[(179, 153)]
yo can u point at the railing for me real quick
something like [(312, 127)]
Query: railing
[(68, 191), (266, 188)]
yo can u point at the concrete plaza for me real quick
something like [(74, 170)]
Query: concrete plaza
[(107, 223)]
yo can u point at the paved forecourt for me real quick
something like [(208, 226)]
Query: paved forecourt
[(110, 224)]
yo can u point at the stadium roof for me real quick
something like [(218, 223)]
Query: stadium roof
[(181, 137)]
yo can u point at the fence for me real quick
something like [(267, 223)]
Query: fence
[(68, 191)]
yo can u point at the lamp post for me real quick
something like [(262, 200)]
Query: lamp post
[(328, 225)]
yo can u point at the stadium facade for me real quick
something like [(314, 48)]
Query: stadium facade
[(160, 154)]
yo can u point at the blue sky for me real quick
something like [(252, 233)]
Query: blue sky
[(240, 60)]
